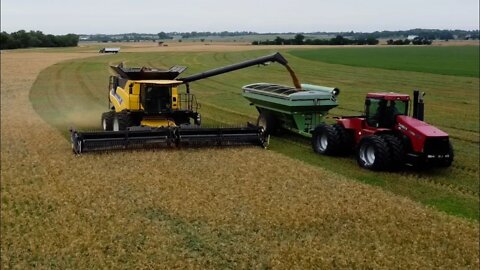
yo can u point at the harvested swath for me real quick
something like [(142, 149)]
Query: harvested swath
[(199, 208)]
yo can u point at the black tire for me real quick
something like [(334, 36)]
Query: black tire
[(326, 140), (268, 122), (397, 151), (448, 162), (122, 121), (346, 139), (107, 120), (373, 153)]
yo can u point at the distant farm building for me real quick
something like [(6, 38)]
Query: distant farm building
[(412, 37), (109, 50)]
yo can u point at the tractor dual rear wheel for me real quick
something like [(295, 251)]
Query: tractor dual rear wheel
[(326, 140), (346, 139), (374, 153)]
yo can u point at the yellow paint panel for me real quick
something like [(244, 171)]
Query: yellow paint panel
[(134, 102), (157, 122), (136, 89)]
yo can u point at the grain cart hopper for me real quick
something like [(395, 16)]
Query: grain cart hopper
[(386, 137), (146, 109), (297, 110)]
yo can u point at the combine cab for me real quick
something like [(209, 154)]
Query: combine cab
[(146, 109)]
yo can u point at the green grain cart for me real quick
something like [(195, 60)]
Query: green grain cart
[(297, 110)]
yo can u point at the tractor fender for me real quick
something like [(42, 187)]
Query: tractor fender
[(351, 123)]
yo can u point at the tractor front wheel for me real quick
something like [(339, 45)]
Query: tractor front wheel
[(373, 153), (447, 162), (397, 151)]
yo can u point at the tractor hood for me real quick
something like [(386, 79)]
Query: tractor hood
[(416, 127)]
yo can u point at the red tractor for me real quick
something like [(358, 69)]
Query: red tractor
[(386, 137)]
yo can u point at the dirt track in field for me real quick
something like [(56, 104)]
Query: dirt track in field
[(198, 208)]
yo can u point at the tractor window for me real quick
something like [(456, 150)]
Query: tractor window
[(382, 113), (374, 108), (155, 98), (401, 107)]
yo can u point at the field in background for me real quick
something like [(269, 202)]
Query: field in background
[(211, 208), (459, 61), (79, 96)]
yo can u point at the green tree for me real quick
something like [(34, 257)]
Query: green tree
[(279, 41), (5, 41), (298, 39)]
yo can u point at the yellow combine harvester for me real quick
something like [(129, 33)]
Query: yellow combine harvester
[(146, 109), (148, 97)]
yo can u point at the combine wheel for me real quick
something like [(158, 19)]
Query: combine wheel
[(268, 122), (373, 153), (326, 140), (397, 152), (346, 139), (107, 120), (122, 121)]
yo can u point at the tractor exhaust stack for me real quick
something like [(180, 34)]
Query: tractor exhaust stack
[(418, 105)]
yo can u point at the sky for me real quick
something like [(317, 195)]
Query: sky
[(153, 16)]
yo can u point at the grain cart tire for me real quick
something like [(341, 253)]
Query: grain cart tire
[(268, 122), (397, 151), (373, 153), (346, 139), (122, 121), (447, 162), (107, 120), (326, 140)]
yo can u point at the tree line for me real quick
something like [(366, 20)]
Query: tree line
[(299, 39), (195, 34), (23, 39), (415, 41), (361, 37), (430, 34)]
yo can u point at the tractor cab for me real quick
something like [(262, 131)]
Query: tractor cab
[(381, 109)]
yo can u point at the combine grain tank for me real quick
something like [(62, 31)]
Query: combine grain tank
[(298, 110)]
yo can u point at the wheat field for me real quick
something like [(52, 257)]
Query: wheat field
[(197, 208)]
